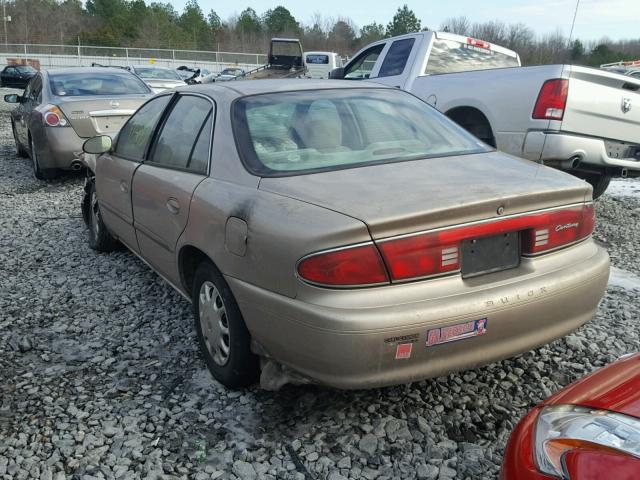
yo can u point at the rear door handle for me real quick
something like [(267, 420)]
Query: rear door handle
[(173, 206)]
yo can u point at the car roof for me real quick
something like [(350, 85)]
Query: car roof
[(256, 87)]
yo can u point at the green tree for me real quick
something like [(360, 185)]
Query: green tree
[(577, 50), (280, 20), (342, 36), (371, 32), (404, 21), (249, 22), (193, 22)]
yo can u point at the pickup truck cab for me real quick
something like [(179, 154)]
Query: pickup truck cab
[(581, 120)]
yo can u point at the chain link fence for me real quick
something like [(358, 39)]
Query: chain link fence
[(47, 56)]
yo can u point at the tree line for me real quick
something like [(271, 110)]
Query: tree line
[(135, 23)]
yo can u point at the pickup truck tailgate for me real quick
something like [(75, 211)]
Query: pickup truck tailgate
[(603, 104)]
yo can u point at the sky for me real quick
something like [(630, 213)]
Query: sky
[(596, 19)]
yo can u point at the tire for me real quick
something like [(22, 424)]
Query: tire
[(20, 151), (100, 239), (39, 173), (222, 334), (599, 182)]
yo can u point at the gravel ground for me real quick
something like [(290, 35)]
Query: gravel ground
[(100, 376)]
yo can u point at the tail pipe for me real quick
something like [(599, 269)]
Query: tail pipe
[(76, 165)]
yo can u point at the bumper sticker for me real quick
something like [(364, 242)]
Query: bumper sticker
[(453, 333), (403, 351)]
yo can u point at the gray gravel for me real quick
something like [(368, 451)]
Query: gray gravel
[(100, 376)]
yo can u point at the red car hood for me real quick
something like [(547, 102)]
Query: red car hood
[(615, 387)]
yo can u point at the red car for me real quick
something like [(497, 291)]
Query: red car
[(589, 430)]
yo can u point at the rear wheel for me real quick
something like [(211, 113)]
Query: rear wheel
[(20, 151), (100, 239), (223, 337), (38, 172)]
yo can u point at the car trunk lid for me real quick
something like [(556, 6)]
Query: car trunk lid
[(90, 116), (603, 104), (400, 198)]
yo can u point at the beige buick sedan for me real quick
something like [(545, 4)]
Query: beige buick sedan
[(343, 234)]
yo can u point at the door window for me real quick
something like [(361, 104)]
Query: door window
[(199, 161), (10, 71), (362, 66), (35, 88), (396, 58), (136, 133), (180, 133)]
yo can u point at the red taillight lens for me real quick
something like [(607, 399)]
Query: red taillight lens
[(53, 116), (552, 100), (438, 252), (478, 43), (52, 119), (348, 267)]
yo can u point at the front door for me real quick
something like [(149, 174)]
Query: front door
[(396, 60), (163, 186), (115, 170)]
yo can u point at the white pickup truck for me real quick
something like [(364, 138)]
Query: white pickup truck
[(582, 120)]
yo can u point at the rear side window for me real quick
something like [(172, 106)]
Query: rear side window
[(450, 56), (396, 58), (96, 83), (136, 133), (180, 132)]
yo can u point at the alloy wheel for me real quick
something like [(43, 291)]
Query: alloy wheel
[(214, 323)]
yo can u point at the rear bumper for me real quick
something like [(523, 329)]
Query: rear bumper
[(564, 146), (349, 344), (59, 148)]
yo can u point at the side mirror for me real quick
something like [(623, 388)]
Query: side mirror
[(12, 98), (98, 145), (337, 73)]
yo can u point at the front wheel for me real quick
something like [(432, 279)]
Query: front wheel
[(100, 239), (222, 334)]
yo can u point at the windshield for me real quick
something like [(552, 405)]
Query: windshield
[(280, 48), (26, 69), (297, 132), (450, 56), (159, 73), (77, 84)]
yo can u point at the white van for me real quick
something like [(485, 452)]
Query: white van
[(319, 64)]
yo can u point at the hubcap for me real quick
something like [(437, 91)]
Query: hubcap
[(214, 323), (94, 214)]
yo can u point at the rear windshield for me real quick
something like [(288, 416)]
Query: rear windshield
[(86, 83), (160, 73), (287, 49), (318, 59), (450, 56), (307, 131)]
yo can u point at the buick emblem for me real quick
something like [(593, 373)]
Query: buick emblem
[(114, 104), (626, 104)]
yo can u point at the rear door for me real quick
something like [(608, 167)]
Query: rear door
[(162, 187), (115, 170), (396, 61), (603, 104)]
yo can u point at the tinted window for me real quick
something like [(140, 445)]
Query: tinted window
[(26, 69), (318, 59), (136, 133), (36, 87), (450, 56), (291, 132), (180, 132), (10, 70), (361, 67), (95, 83), (161, 73), (396, 58), (199, 160)]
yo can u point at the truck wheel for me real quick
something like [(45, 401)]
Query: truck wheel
[(38, 172), (223, 337), (100, 239), (599, 182)]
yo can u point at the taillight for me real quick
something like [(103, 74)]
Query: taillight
[(438, 252), (53, 116), (552, 100), (347, 267)]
